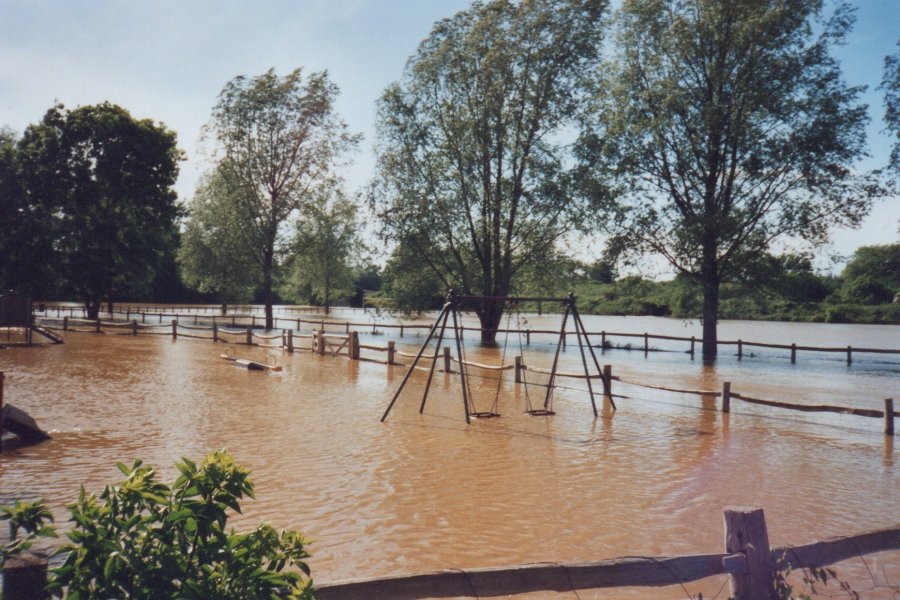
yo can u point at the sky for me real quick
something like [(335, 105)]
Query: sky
[(167, 60)]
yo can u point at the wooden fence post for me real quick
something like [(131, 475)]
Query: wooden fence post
[(745, 533), (740, 349), (646, 347), (793, 354), (518, 369), (447, 365), (97, 326), (354, 345), (25, 577), (321, 342), (849, 356), (391, 351), (692, 346), (175, 329), (65, 323), (726, 396), (607, 380), (215, 332), (134, 327), (888, 416), (289, 333), (401, 329), (602, 342), (528, 336), (249, 336)]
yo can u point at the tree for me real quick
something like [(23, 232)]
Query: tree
[(728, 126), (29, 228), (279, 140), (325, 247), (107, 179), (212, 256), (890, 83), (473, 173), (873, 274)]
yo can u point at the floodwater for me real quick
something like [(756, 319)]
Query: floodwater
[(424, 492)]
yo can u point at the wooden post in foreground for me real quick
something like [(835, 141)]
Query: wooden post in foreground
[(215, 331), (175, 329), (249, 336), (289, 334), (607, 380), (726, 396), (888, 415), (745, 533), (447, 366), (134, 327), (97, 326), (25, 577), (518, 369), (391, 351), (65, 323)]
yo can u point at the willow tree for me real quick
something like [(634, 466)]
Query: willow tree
[(212, 256), (325, 250), (279, 141), (472, 164), (890, 83), (729, 126)]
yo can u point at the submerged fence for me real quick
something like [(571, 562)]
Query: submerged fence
[(320, 341), (207, 314)]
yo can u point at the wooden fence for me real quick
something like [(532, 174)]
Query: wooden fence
[(207, 314), (748, 559), (348, 344), (751, 564)]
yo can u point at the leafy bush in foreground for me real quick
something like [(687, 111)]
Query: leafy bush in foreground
[(144, 539)]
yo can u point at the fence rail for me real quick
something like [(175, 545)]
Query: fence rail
[(747, 560)]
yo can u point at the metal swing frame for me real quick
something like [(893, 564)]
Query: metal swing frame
[(451, 309)]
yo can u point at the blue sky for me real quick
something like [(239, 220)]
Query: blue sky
[(168, 60)]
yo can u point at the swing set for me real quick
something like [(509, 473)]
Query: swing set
[(450, 312)]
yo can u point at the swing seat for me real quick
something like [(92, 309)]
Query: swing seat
[(540, 412), (483, 415)]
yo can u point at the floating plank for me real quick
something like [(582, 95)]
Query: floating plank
[(250, 365), (17, 421)]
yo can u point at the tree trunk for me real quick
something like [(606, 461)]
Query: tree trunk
[(710, 316), (489, 315), (92, 307), (267, 287)]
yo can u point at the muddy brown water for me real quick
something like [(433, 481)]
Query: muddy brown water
[(428, 492)]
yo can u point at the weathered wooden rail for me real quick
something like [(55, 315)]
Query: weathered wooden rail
[(747, 559)]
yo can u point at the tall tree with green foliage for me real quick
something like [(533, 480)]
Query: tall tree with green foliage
[(278, 142), (29, 229), (212, 256), (106, 178), (890, 83), (325, 249), (473, 174), (728, 126)]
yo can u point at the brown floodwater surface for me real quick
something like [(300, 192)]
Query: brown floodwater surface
[(426, 491)]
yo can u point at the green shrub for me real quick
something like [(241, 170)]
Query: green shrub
[(144, 539)]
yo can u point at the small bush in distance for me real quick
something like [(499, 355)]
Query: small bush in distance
[(145, 539)]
